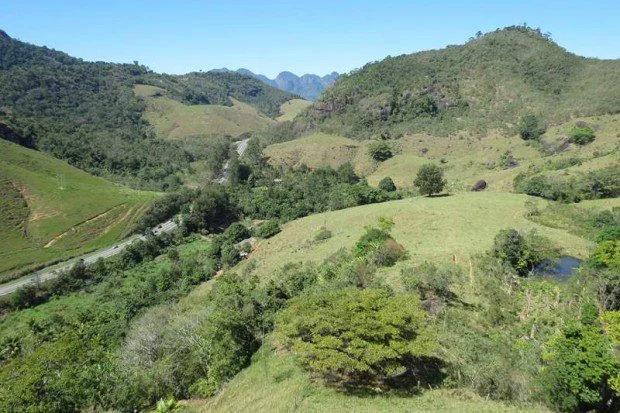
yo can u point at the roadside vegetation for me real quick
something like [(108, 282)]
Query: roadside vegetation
[(52, 211)]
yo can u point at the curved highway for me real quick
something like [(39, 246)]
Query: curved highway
[(54, 271), (48, 274)]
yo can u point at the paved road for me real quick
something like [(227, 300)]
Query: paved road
[(241, 147), (48, 274)]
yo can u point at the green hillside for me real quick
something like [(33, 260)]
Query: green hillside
[(277, 383), (292, 108), (441, 229), (465, 158), (51, 210), (489, 82), (87, 114), (172, 119)]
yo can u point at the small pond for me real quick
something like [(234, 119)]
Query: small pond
[(562, 270)]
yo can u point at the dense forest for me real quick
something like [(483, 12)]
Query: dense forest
[(489, 82)]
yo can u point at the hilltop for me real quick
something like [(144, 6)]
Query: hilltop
[(490, 82), (87, 114)]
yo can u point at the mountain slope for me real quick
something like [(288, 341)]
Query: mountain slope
[(172, 119), (86, 112), (308, 86), (51, 210), (490, 82)]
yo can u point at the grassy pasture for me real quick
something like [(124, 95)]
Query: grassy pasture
[(292, 108), (321, 149), (441, 229), (51, 210), (466, 158), (172, 119)]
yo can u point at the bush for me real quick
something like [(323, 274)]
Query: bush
[(380, 151), (389, 253), (507, 160), (606, 254), (578, 366), (430, 280), (372, 239), (386, 184), (581, 135), (521, 253), (481, 185), (531, 127), (236, 232), (268, 229), (323, 234), (357, 337), (598, 184), (430, 179), (230, 255)]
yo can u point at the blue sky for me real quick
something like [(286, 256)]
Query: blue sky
[(301, 36)]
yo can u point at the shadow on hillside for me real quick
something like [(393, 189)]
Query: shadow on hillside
[(423, 373)]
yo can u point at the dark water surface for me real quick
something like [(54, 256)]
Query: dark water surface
[(562, 270)]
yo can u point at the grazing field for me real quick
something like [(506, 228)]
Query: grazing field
[(277, 383), (320, 150), (51, 210), (443, 229), (292, 108), (172, 119), (465, 158)]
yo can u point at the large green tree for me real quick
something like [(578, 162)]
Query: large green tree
[(357, 336), (430, 179), (579, 364)]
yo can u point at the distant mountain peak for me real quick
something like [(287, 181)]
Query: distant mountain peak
[(309, 86)]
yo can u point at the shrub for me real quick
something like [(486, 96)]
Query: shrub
[(386, 184), (380, 151), (268, 229), (429, 280), (385, 224), (597, 184), (481, 185), (578, 365), (523, 253), (372, 239), (353, 336), (507, 160), (230, 255), (170, 405), (323, 234), (236, 232), (531, 127), (611, 233), (430, 179), (581, 135), (606, 254), (389, 253)]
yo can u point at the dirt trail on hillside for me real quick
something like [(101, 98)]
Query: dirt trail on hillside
[(88, 221)]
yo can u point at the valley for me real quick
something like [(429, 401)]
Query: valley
[(210, 241)]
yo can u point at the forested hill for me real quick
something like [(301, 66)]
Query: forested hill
[(86, 112), (489, 82)]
